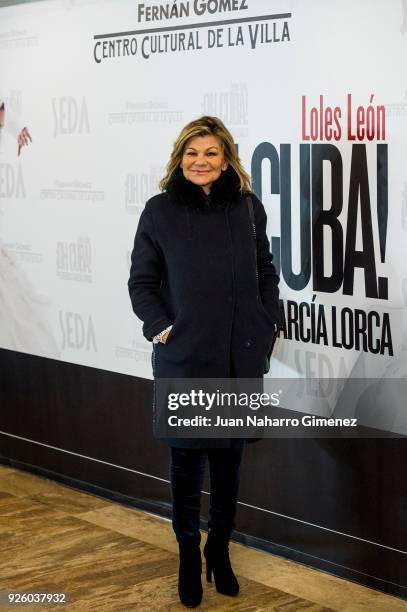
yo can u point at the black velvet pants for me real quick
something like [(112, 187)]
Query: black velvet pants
[(187, 468)]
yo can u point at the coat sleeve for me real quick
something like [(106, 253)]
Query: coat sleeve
[(144, 283), (268, 277)]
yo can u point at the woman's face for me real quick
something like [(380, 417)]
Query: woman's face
[(203, 161)]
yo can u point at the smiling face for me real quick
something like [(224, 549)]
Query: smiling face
[(203, 161)]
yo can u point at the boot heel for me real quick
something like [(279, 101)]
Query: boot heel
[(216, 552)]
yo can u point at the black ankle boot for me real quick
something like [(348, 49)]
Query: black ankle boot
[(189, 577), (216, 553)]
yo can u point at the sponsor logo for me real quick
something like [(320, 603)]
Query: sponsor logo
[(230, 105), (73, 190), (396, 110), (158, 12), (77, 331), (12, 181), (137, 352), (74, 260), (232, 31), (139, 187), (70, 116), (24, 252), (17, 39), (145, 112)]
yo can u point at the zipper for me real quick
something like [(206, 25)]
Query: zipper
[(233, 291)]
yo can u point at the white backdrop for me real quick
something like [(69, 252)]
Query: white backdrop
[(102, 130)]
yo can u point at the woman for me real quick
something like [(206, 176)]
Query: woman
[(210, 314), (23, 136), (24, 321)]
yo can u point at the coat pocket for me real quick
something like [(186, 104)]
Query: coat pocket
[(176, 326), (266, 316)]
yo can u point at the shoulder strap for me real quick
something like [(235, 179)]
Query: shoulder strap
[(253, 229), (251, 215)]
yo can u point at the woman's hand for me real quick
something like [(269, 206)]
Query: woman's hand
[(23, 139), (165, 336)]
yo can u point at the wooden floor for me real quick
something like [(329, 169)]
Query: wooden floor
[(110, 557)]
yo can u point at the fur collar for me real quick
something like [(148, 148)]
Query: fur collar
[(225, 191)]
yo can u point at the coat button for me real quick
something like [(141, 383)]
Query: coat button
[(248, 343)]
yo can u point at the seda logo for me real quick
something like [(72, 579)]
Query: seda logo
[(70, 116)]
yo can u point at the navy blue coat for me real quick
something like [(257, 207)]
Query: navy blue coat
[(193, 266)]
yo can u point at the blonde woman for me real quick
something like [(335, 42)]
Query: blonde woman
[(193, 283)]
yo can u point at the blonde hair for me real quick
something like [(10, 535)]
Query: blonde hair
[(207, 126)]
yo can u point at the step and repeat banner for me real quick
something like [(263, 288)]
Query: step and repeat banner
[(94, 93)]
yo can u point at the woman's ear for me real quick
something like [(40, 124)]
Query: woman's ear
[(225, 164)]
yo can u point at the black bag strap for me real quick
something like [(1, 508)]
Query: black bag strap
[(253, 230)]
